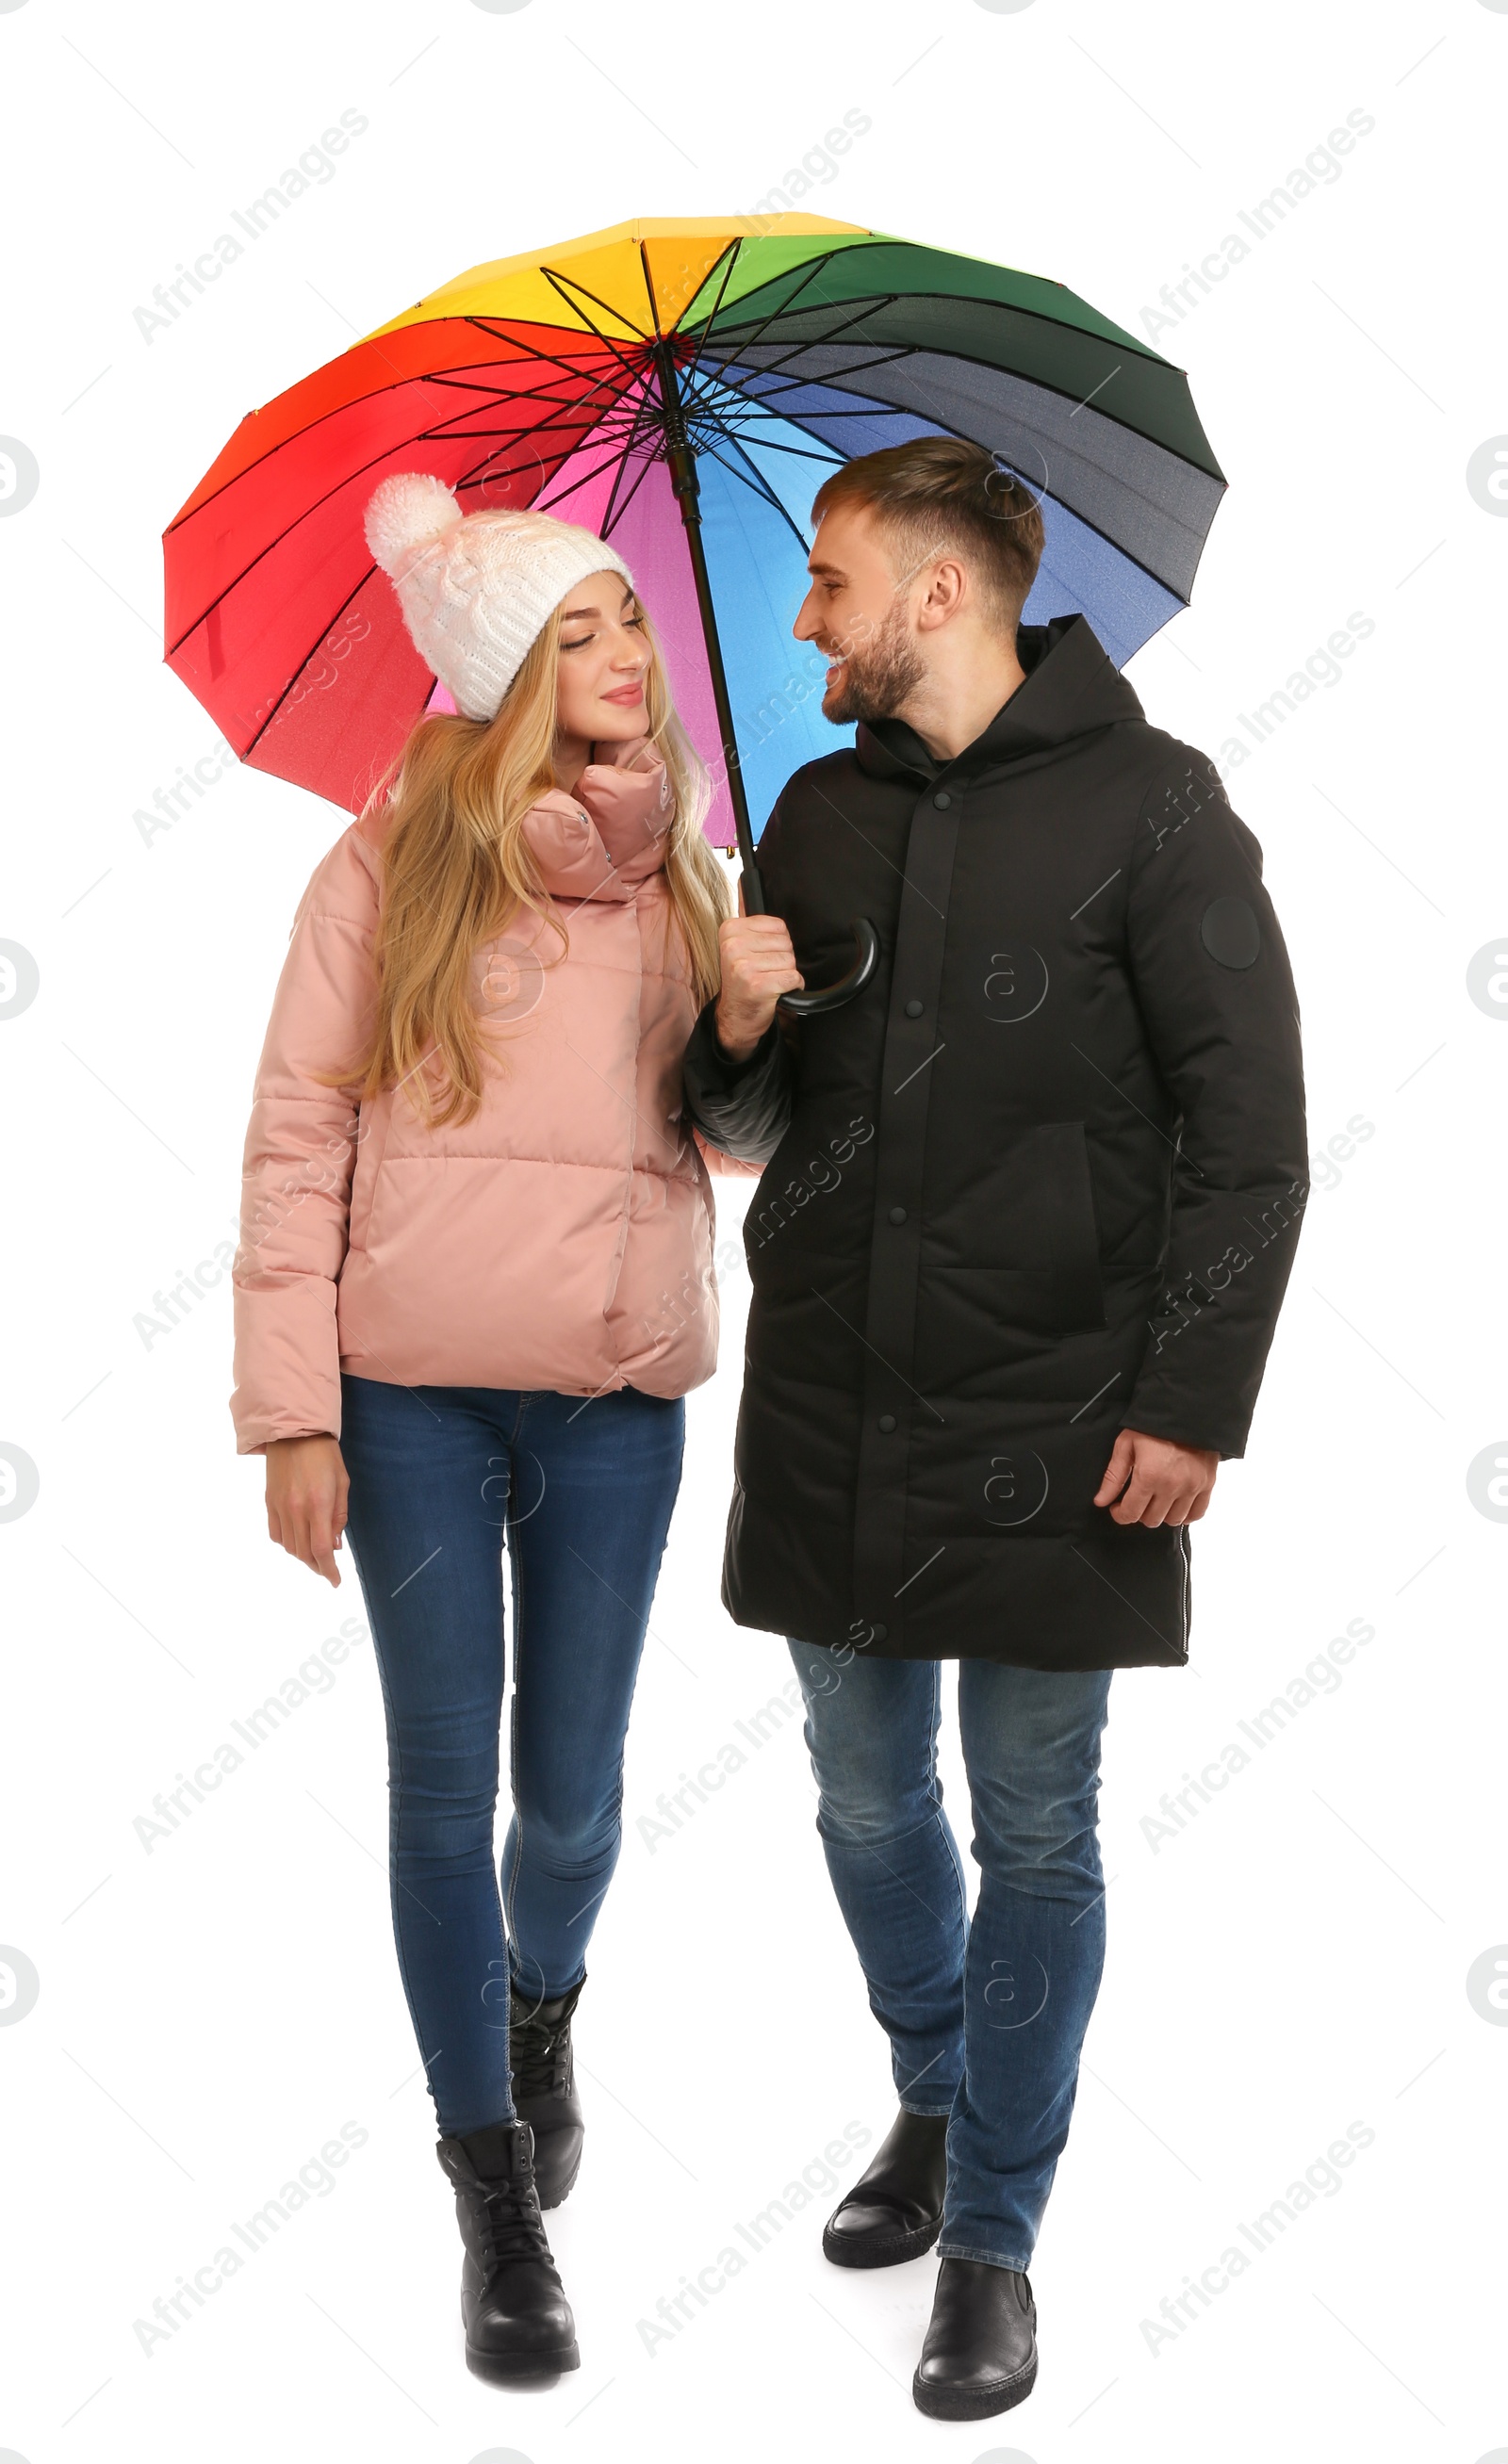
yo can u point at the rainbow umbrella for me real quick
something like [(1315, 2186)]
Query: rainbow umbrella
[(681, 388)]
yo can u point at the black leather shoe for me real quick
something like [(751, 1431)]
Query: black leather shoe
[(895, 2210), (518, 2321), (978, 2355), (544, 2089)]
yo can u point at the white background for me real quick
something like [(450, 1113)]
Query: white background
[(1292, 1961)]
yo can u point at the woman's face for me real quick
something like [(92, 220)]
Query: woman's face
[(599, 694)]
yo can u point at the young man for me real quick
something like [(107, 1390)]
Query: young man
[(1028, 1208)]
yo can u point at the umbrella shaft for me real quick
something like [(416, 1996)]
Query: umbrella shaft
[(680, 456)]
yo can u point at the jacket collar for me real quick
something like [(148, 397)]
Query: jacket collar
[(1072, 688), (606, 837)]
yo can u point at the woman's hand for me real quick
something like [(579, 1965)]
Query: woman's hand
[(306, 1492)]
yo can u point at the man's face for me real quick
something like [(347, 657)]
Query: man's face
[(860, 615)]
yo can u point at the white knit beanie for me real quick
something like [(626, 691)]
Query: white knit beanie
[(476, 589)]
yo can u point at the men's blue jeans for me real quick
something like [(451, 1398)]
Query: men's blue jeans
[(985, 2019), (583, 1489)]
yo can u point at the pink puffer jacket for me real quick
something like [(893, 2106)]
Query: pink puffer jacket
[(562, 1238)]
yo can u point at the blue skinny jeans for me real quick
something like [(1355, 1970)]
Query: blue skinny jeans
[(986, 2018), (583, 1491)]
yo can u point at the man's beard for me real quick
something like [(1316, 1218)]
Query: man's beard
[(877, 675)]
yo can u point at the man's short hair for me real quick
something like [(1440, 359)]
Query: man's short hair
[(940, 494)]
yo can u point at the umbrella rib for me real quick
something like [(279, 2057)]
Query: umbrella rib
[(833, 334), (641, 426), (494, 392), (615, 511), (543, 504), (329, 626), (649, 289), (563, 284), (567, 373), (1119, 545), (752, 477), (1116, 341), (1042, 385), (610, 512), (1122, 343), (731, 252), (644, 424), (606, 438), (866, 308), (553, 358), (774, 444), (468, 477), (400, 385), (818, 265), (892, 298), (420, 437), (873, 357), (761, 488), (748, 407), (560, 411), (881, 411)]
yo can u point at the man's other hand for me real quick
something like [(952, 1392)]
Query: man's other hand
[(1153, 1480)]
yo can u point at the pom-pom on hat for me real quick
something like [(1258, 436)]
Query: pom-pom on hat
[(476, 589)]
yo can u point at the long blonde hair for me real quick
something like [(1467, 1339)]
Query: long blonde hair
[(457, 868)]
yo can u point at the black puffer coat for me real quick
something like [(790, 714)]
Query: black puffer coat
[(1041, 1180)]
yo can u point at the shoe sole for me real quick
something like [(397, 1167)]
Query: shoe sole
[(502, 2368), (973, 2404), (875, 2250), (562, 2191)]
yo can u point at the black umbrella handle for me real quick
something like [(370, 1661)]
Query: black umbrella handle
[(866, 958), (811, 1003)]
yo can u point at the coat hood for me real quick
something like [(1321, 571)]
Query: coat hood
[(1073, 688)]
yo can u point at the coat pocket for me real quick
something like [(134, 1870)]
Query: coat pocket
[(1021, 1238)]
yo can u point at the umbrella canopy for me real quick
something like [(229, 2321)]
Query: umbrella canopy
[(680, 387)]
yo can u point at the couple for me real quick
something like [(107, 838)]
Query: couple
[(1027, 1212)]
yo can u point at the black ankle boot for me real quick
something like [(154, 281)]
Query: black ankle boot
[(544, 2089), (978, 2355), (518, 2321), (895, 2210)]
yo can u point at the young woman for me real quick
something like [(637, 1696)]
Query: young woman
[(475, 1282)]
